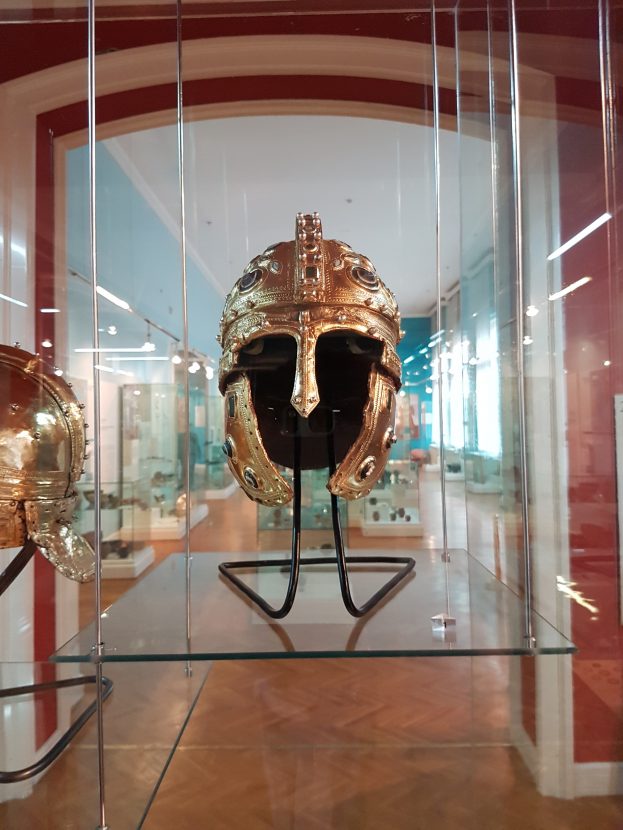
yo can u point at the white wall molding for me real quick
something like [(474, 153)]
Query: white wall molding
[(598, 779)]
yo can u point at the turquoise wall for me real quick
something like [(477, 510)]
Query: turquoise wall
[(416, 373), (138, 257)]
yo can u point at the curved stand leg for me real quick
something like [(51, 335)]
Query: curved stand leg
[(17, 565), (407, 561), (10, 777), (227, 568), (294, 563)]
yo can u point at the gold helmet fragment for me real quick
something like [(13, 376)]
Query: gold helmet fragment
[(309, 335), (42, 450)]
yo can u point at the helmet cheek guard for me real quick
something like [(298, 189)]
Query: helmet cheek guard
[(365, 462), (309, 336), (42, 444), (243, 446), (48, 526)]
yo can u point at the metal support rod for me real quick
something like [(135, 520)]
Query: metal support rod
[(609, 136), (459, 133), (519, 317), (99, 645), (440, 397), (436, 157), (608, 111), (180, 150)]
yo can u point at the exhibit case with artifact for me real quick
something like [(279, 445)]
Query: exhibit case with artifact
[(392, 507), (274, 524), (152, 458), (309, 351)]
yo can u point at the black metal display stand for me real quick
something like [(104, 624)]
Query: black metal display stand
[(7, 577), (294, 563)]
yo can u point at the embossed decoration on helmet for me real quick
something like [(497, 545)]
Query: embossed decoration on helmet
[(42, 450), (309, 337)]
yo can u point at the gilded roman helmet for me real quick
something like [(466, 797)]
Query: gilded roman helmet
[(309, 335), (42, 449)]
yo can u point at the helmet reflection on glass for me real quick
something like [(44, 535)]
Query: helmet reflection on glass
[(309, 335), (42, 445)]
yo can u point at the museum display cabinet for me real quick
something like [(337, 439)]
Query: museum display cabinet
[(152, 158), (274, 524), (392, 508)]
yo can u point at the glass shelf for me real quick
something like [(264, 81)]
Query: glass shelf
[(149, 622)]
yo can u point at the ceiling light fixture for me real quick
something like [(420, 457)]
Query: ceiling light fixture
[(50, 310), (143, 357), (573, 287), (112, 298), (114, 349), (13, 300), (601, 220), (148, 346)]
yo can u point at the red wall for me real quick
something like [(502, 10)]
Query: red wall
[(592, 316)]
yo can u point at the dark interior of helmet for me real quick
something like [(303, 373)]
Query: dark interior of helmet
[(343, 362)]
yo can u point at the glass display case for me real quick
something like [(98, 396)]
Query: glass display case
[(152, 461), (473, 151), (393, 506), (125, 551), (274, 524)]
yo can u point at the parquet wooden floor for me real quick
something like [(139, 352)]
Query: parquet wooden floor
[(375, 744), (365, 744)]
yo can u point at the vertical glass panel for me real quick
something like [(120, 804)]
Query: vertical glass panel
[(571, 346), (142, 418), (492, 455), (278, 135), (446, 379), (43, 91)]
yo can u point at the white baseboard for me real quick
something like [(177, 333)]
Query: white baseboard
[(130, 568), (603, 778)]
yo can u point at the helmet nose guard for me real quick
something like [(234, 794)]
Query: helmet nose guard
[(306, 291)]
